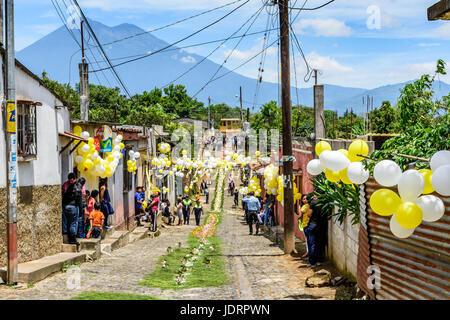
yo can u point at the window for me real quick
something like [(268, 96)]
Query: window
[(26, 130)]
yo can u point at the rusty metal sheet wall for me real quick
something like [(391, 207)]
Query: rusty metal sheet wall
[(414, 268), (363, 261)]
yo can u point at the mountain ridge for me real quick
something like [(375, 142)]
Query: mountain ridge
[(159, 69)]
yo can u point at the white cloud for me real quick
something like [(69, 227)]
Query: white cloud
[(243, 55), (324, 27), (432, 44), (188, 59), (327, 64), (442, 32)]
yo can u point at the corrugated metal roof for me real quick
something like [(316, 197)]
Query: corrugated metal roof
[(414, 268)]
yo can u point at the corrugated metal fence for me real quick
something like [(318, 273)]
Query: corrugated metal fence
[(414, 268)]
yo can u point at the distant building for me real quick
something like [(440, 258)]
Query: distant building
[(230, 126)]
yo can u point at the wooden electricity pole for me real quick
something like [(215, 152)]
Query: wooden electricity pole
[(289, 236)]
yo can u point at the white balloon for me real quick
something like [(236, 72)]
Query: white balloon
[(335, 161), (356, 173), (79, 159), (440, 158), (85, 148), (432, 207), (131, 153), (119, 138), (116, 154), (323, 156), (94, 155), (410, 185), (397, 230), (313, 167), (85, 135), (387, 173), (116, 148), (100, 169), (441, 180)]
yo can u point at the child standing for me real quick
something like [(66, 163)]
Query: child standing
[(92, 200), (96, 219)]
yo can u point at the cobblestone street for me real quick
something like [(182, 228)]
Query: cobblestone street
[(257, 268)]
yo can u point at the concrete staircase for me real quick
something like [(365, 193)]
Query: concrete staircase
[(276, 234), (88, 250)]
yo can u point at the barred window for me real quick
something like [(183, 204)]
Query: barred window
[(26, 130), (127, 176)]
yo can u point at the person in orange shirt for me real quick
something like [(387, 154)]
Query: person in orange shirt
[(96, 219)]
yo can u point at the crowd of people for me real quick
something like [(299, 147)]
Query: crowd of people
[(85, 213), (181, 211), (313, 221)]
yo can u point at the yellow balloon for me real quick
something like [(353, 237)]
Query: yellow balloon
[(130, 169), (77, 130), (88, 164), (110, 158), (409, 215), (385, 202), (427, 174), (344, 152), (90, 141), (297, 196), (97, 161), (269, 192), (144, 205), (279, 198), (81, 167), (344, 177), (332, 176), (358, 147), (322, 146), (108, 169), (121, 145)]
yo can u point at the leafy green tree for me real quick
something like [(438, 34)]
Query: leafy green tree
[(66, 92), (105, 104), (269, 117), (424, 130), (385, 119)]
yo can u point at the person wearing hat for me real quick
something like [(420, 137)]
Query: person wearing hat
[(253, 207), (198, 211)]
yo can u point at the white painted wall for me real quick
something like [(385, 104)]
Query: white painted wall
[(45, 170), (343, 244)]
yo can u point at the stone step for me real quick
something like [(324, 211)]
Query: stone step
[(36, 270), (69, 247), (117, 240), (107, 232)]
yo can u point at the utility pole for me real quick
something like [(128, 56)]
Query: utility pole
[(289, 236), (351, 123), (240, 100), (11, 146), (209, 112), (84, 81), (246, 136)]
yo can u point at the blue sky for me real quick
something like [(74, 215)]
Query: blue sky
[(355, 43)]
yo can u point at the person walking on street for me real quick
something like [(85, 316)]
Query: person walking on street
[(253, 206), (179, 210), (236, 197), (138, 208), (311, 231), (198, 211), (71, 201), (154, 205), (304, 220), (105, 201), (186, 209)]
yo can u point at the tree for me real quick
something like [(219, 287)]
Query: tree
[(103, 103), (385, 119), (66, 92), (424, 130), (269, 117)]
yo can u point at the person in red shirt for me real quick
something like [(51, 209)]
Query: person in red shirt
[(96, 219)]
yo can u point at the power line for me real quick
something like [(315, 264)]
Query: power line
[(195, 45), (225, 61), (255, 15), (310, 9), (61, 16), (176, 42), (89, 48), (102, 50), (173, 23)]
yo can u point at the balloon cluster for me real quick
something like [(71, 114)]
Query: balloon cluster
[(164, 147), (407, 208), (88, 159), (131, 164), (271, 179), (254, 186), (341, 165), (280, 190)]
